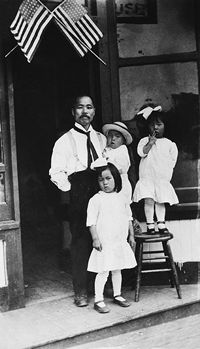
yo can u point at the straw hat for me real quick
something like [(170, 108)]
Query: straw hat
[(120, 127)]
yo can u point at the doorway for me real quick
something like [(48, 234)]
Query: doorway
[(43, 94)]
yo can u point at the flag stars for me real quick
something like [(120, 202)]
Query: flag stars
[(28, 8), (74, 10)]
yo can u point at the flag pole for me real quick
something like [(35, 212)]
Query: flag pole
[(7, 54), (74, 36)]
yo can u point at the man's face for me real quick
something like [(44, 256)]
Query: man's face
[(84, 111)]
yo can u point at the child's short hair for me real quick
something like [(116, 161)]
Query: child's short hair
[(115, 173)]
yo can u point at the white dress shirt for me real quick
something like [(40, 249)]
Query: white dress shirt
[(70, 155)]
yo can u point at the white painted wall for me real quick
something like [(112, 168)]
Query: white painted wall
[(186, 242)]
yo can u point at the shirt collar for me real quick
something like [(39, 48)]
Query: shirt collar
[(82, 128)]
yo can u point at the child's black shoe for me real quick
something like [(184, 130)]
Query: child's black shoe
[(150, 228)]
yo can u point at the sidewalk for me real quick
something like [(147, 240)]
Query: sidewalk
[(178, 334), (59, 319)]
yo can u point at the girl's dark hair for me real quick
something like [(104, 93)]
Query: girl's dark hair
[(115, 173), (156, 116)]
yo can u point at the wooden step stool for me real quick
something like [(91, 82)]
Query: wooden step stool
[(168, 263)]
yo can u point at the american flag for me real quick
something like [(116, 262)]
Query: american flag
[(77, 25), (28, 26)]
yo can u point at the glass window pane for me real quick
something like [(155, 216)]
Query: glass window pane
[(158, 83), (2, 188), (175, 87), (173, 33)]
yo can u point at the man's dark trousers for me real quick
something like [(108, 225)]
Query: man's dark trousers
[(83, 187)]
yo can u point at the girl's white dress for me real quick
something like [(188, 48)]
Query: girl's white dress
[(155, 172), (120, 158), (110, 212)]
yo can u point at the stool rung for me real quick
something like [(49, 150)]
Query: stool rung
[(154, 258), (150, 252), (155, 270)]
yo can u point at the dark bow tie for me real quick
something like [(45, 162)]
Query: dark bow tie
[(92, 154)]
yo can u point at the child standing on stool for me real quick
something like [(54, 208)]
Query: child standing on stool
[(158, 158), (109, 219)]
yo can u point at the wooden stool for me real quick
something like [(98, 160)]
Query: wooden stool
[(168, 263)]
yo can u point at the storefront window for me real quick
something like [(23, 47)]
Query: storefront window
[(175, 87), (152, 32)]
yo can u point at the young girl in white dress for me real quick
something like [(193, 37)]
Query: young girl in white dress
[(109, 219), (116, 152), (158, 158)]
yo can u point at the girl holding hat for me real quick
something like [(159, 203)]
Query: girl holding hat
[(116, 152)]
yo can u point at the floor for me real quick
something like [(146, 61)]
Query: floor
[(50, 315), (60, 322), (47, 275), (178, 334)]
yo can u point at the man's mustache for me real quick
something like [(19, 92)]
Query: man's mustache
[(85, 116)]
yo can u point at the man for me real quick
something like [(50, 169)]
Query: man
[(70, 170)]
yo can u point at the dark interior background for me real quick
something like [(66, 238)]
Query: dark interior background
[(44, 91)]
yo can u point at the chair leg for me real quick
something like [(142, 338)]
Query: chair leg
[(135, 270), (165, 250), (173, 267), (139, 269)]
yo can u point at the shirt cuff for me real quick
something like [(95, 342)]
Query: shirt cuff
[(61, 181)]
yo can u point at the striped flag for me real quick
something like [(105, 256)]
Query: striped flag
[(77, 25), (28, 26)]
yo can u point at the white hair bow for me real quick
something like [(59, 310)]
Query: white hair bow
[(99, 162), (148, 110)]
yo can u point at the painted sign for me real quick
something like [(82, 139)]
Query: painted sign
[(136, 11)]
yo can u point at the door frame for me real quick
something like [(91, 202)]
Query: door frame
[(108, 51), (12, 294)]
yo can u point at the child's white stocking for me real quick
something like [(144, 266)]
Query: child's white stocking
[(99, 285), (116, 282), (160, 214), (149, 212)]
